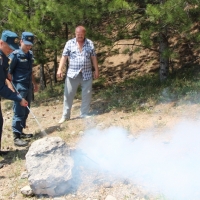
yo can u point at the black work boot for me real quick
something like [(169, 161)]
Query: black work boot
[(23, 135), (19, 142)]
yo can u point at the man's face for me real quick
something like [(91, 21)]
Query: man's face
[(5, 48), (25, 47), (80, 35)]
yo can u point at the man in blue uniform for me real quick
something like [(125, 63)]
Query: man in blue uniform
[(20, 73), (8, 43)]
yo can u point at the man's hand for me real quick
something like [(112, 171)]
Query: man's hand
[(63, 60), (96, 69), (23, 102), (59, 73), (96, 74)]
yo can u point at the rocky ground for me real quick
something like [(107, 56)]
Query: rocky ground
[(94, 184)]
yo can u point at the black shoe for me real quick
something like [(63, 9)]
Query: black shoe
[(20, 143), (23, 135), (1, 165)]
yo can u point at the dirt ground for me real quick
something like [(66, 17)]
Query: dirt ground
[(158, 120)]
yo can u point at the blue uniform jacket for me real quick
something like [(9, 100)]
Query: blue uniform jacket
[(4, 90), (21, 67)]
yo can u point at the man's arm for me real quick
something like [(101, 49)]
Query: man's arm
[(7, 93), (8, 83), (96, 68), (12, 62), (12, 65), (63, 61)]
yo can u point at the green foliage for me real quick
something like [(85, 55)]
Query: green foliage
[(118, 4), (54, 21), (56, 91), (144, 92), (146, 39)]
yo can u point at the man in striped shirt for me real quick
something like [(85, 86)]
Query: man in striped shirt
[(81, 55)]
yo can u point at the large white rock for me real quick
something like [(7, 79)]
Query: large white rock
[(49, 166)]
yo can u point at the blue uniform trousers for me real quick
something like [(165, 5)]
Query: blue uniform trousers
[(21, 113)]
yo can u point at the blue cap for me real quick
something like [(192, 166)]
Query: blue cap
[(11, 39), (27, 38)]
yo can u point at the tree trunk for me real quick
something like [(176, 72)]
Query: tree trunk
[(164, 59), (163, 48), (55, 67), (42, 77)]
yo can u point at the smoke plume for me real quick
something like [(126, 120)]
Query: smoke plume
[(167, 164)]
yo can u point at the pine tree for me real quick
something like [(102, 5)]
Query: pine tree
[(164, 20)]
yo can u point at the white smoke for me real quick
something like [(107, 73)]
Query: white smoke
[(169, 165)]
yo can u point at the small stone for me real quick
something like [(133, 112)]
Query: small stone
[(12, 196), (24, 175), (73, 132), (27, 191), (81, 133), (107, 185)]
